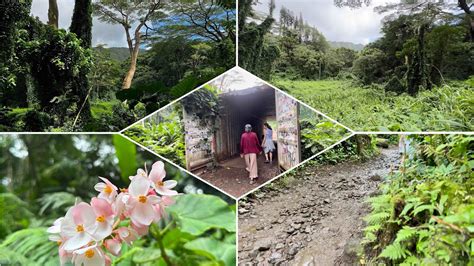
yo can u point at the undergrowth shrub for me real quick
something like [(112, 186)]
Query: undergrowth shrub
[(425, 213), (166, 138)]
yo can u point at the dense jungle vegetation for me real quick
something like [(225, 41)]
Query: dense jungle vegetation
[(54, 79), (424, 214), (162, 133), (417, 76), (43, 175)]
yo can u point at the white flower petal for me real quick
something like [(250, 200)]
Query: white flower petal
[(139, 186), (77, 241), (170, 184)]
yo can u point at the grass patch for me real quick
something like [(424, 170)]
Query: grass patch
[(450, 107)]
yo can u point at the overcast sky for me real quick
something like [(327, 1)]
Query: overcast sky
[(102, 33), (360, 25)]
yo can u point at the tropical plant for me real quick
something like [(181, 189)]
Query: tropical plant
[(425, 214)]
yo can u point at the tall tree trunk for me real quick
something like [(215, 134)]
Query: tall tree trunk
[(417, 76), (81, 22), (53, 13), (81, 25), (127, 81), (467, 10)]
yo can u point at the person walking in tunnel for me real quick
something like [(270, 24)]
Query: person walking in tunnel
[(267, 143), (249, 148)]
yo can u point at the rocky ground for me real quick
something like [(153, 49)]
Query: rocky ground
[(317, 220), (232, 177)]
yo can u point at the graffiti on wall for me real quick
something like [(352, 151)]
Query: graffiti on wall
[(198, 140), (287, 112)]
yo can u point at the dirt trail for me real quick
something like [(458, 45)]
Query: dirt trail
[(317, 221), (232, 177)]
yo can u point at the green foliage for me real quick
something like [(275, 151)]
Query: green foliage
[(201, 232), (369, 66), (195, 220), (56, 202), (165, 137), (204, 104), (52, 71), (15, 214), (29, 247), (425, 214), (126, 152), (213, 249), (50, 171), (255, 54), (447, 107), (317, 134)]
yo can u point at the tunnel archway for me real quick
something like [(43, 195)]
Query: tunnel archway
[(253, 106)]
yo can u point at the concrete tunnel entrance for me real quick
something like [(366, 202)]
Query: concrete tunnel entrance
[(253, 106), (213, 153)]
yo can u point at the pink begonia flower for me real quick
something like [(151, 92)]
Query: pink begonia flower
[(108, 191), (56, 228), (157, 174), (113, 245), (119, 206), (88, 230), (140, 229), (140, 172), (160, 207), (140, 204), (127, 234), (78, 226), (89, 256), (104, 218), (64, 256)]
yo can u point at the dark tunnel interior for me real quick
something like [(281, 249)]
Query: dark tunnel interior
[(253, 106)]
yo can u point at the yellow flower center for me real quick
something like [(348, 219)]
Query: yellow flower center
[(100, 219), (142, 199), (90, 253), (59, 242), (160, 183), (108, 190), (80, 228)]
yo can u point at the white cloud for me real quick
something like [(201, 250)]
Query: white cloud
[(360, 25), (102, 33)]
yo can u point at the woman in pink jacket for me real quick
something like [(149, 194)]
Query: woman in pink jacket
[(249, 148)]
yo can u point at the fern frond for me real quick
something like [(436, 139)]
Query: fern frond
[(33, 245), (377, 218), (372, 228), (405, 233), (394, 252), (56, 201)]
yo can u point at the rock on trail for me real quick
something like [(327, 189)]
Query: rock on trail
[(317, 220)]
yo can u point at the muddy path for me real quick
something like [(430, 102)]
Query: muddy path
[(317, 220), (232, 177)]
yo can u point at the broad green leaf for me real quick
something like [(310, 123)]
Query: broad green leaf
[(126, 153), (195, 214), (213, 249)]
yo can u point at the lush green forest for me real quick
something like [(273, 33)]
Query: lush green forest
[(55, 79), (417, 76), (44, 175)]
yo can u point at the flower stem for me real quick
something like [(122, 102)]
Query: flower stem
[(158, 234)]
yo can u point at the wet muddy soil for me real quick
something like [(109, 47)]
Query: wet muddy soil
[(317, 220), (232, 177)]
